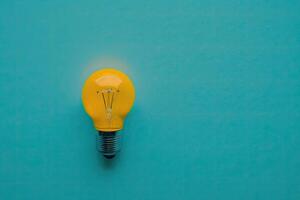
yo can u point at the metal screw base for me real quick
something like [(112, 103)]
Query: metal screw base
[(108, 143)]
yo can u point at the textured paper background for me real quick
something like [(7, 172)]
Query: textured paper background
[(217, 110)]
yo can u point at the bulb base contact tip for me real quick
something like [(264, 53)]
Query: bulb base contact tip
[(108, 143), (109, 156)]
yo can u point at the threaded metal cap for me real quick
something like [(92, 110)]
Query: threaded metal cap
[(108, 143)]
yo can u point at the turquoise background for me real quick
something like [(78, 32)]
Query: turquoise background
[(217, 110)]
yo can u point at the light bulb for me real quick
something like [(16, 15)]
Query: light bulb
[(107, 97)]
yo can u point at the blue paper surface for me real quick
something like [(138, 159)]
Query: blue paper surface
[(217, 99)]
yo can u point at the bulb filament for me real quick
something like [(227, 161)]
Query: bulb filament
[(108, 96)]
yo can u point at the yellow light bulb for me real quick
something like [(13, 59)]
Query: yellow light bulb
[(107, 97)]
